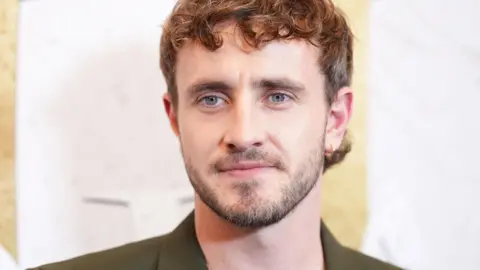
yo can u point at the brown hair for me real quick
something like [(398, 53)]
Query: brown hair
[(318, 21)]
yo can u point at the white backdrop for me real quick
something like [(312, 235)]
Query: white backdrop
[(6, 260), (93, 142), (97, 165), (423, 146)]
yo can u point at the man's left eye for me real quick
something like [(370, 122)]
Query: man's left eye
[(278, 98)]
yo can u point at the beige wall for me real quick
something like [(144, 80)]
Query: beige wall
[(8, 15), (344, 199)]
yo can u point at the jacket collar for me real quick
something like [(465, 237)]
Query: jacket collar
[(181, 250)]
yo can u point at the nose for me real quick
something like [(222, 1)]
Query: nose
[(245, 129)]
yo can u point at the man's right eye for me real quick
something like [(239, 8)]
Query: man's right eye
[(212, 101)]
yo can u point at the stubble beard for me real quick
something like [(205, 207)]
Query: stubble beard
[(252, 211)]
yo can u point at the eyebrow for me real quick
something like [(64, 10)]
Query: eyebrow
[(281, 83), (204, 86)]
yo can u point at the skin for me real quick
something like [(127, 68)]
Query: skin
[(254, 126)]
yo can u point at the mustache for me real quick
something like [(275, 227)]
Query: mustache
[(249, 155)]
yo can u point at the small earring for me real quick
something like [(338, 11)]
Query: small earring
[(329, 149), (332, 149)]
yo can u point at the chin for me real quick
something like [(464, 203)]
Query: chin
[(253, 216)]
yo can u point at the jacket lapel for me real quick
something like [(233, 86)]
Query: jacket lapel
[(181, 250), (334, 254)]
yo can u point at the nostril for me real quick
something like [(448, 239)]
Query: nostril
[(236, 148), (231, 146), (257, 144)]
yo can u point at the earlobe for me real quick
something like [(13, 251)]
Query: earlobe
[(329, 149), (171, 113)]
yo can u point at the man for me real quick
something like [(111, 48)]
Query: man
[(259, 97)]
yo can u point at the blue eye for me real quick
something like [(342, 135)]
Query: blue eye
[(212, 101), (278, 98)]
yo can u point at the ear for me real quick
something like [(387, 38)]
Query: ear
[(339, 116), (171, 113)]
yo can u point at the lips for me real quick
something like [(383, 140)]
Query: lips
[(244, 166), (245, 169)]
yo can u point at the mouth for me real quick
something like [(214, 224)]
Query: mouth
[(245, 170)]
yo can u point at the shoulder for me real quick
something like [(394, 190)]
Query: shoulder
[(357, 260), (141, 255)]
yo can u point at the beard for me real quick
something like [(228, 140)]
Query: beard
[(252, 211)]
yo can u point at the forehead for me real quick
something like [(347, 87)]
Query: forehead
[(235, 61)]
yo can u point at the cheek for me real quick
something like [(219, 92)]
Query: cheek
[(295, 127), (190, 136), (297, 134), (198, 139)]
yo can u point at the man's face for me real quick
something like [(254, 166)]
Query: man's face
[(252, 126)]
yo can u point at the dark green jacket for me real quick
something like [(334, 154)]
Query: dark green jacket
[(179, 250)]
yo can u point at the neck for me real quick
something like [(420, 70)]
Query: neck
[(292, 243)]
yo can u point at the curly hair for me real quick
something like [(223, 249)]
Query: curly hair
[(319, 22)]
